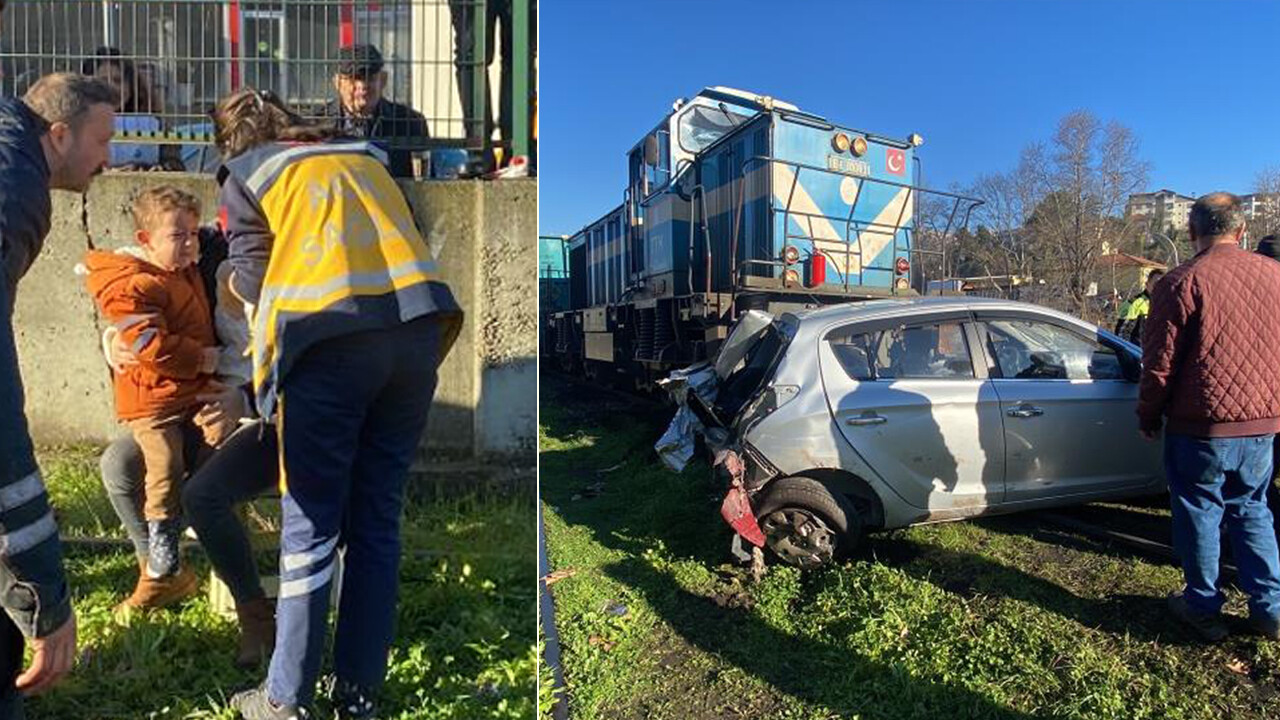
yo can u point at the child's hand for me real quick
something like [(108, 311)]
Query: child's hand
[(223, 408)]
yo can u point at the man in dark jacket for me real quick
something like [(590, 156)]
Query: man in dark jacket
[(1211, 374), (361, 110), (55, 137)]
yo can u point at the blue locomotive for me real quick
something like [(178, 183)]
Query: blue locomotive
[(738, 201)]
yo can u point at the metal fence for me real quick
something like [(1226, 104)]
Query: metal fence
[(175, 58)]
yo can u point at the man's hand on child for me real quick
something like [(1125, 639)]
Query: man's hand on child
[(118, 354)]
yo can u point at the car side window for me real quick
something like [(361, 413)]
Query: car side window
[(935, 350), (1031, 350)]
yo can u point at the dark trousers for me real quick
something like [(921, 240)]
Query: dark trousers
[(246, 466), (467, 24), (11, 644), (351, 416)]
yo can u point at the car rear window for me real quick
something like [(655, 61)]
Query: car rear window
[(759, 362), (933, 350)]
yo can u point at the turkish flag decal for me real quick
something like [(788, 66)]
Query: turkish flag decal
[(895, 161)]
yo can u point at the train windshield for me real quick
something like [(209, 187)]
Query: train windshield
[(701, 125)]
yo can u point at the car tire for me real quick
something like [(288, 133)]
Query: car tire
[(804, 524)]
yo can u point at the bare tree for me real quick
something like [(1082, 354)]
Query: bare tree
[(1083, 180), (1266, 221), (1008, 200)]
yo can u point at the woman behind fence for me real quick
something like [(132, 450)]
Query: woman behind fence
[(349, 326), (137, 107)]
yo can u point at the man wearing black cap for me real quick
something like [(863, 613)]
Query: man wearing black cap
[(361, 110)]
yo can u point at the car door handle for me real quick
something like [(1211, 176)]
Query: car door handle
[(868, 419), (1024, 411)]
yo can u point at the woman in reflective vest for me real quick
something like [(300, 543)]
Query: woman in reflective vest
[(349, 323)]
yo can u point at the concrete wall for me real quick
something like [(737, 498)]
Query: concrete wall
[(482, 234)]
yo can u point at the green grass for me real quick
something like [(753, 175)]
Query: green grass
[(465, 644), (996, 618)]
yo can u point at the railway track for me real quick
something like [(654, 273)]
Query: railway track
[(1146, 545)]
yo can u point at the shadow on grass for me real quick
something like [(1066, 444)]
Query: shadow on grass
[(1142, 617), (462, 628), (463, 646), (802, 667), (636, 511)]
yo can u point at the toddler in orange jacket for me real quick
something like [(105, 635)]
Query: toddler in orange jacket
[(157, 302)]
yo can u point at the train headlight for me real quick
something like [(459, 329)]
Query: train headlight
[(902, 283), (859, 146), (902, 266), (840, 143), (791, 255), (915, 139), (791, 277)]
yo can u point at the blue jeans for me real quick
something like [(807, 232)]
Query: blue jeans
[(351, 415), (1210, 478)]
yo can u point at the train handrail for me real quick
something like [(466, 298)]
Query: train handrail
[(850, 223)]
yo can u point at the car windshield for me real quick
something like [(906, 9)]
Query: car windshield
[(701, 125)]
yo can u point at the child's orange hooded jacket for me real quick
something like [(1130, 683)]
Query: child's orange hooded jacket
[(164, 318)]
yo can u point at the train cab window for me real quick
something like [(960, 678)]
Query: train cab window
[(657, 160), (701, 125)]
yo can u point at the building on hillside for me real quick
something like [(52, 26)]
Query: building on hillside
[(1166, 207), (1256, 204)]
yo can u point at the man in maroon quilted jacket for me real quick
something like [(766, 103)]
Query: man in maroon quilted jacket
[(1211, 376)]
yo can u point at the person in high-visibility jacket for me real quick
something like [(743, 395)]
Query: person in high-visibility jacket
[(1134, 311), (349, 324)]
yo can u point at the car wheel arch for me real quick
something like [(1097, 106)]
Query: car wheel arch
[(855, 493)]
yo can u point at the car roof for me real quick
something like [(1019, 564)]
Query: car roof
[(911, 306)]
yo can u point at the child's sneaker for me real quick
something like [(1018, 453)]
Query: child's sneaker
[(162, 542), (350, 701)]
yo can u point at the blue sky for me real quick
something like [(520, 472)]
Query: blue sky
[(979, 79)]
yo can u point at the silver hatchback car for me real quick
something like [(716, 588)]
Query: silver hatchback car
[(884, 414)]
